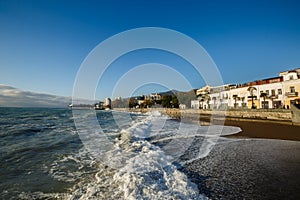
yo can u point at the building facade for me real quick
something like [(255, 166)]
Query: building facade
[(153, 97), (276, 92), (291, 86), (195, 104), (107, 103)]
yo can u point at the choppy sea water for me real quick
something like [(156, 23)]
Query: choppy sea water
[(43, 155)]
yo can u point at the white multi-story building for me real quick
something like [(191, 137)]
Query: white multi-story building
[(107, 102), (153, 97), (238, 97), (291, 86), (195, 104), (277, 92), (274, 95)]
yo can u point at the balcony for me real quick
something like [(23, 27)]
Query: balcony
[(291, 94), (273, 97)]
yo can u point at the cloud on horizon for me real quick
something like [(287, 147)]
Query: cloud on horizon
[(14, 97)]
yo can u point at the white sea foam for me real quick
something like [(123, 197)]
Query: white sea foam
[(147, 175), (134, 167), (180, 139), (42, 195)]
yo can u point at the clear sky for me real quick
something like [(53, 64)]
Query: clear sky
[(43, 43)]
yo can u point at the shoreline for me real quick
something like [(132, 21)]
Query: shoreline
[(252, 127), (248, 169), (260, 162)]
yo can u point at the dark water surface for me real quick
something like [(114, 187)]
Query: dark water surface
[(42, 157)]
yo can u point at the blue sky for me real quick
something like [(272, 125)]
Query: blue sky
[(43, 43)]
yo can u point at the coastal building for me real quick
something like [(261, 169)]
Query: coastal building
[(275, 92), (107, 103), (153, 97), (118, 99), (203, 91), (237, 96), (270, 93), (291, 87), (99, 105), (195, 104), (182, 106), (218, 97), (203, 98), (140, 102), (266, 93)]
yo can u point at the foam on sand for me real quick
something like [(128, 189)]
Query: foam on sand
[(139, 164)]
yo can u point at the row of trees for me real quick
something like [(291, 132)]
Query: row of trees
[(166, 101), (169, 101)]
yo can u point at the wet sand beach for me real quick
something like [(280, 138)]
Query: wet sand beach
[(265, 129), (249, 169), (260, 162), (251, 127)]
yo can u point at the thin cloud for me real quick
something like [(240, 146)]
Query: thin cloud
[(6, 87), (14, 97)]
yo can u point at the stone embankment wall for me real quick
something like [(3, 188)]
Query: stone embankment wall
[(271, 114), (284, 115), (295, 114)]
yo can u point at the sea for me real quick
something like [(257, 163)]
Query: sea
[(48, 153)]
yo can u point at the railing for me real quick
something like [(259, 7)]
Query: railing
[(291, 94), (273, 96)]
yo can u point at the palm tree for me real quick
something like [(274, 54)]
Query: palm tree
[(201, 106), (235, 97), (264, 96), (214, 99), (243, 102), (252, 96), (207, 101)]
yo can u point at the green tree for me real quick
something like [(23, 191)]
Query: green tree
[(207, 101), (166, 101), (264, 96), (175, 102), (215, 102), (158, 101), (131, 103), (235, 97), (243, 102), (147, 103), (252, 96)]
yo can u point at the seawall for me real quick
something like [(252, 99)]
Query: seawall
[(271, 114), (281, 115)]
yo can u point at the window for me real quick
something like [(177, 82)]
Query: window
[(292, 89), (279, 91), (272, 92), (267, 91), (261, 91), (291, 77)]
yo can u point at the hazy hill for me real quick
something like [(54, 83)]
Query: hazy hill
[(183, 97)]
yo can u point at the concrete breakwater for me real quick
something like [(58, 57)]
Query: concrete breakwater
[(276, 115)]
